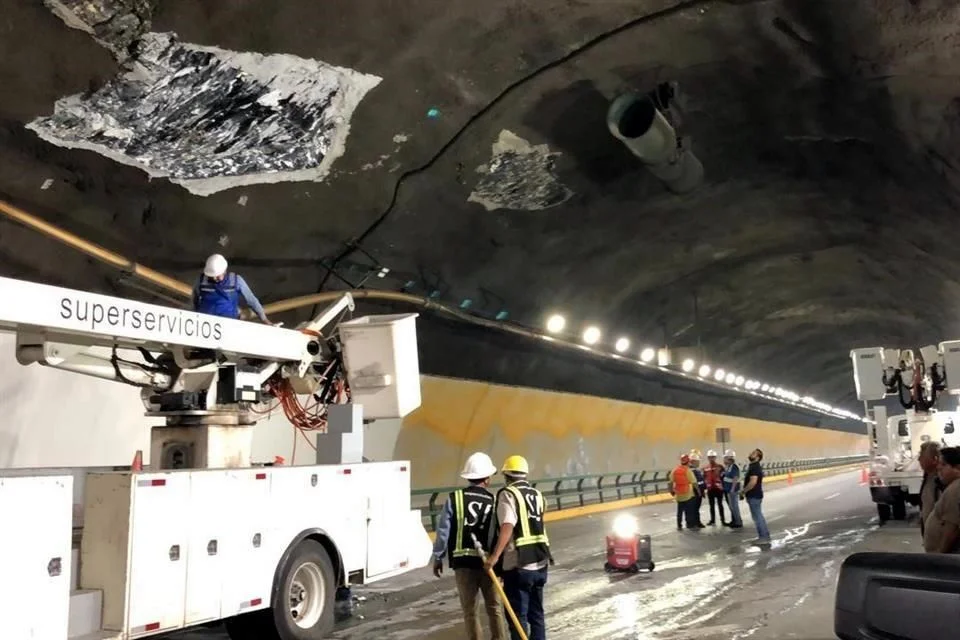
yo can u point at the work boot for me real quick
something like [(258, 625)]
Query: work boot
[(712, 523)]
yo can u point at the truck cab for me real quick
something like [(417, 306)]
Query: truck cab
[(895, 473)]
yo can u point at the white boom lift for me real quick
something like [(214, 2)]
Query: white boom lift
[(203, 534), (922, 386)]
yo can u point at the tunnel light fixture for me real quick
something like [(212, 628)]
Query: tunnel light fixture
[(591, 335), (556, 323)]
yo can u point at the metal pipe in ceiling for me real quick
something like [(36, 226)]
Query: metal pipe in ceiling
[(94, 250)]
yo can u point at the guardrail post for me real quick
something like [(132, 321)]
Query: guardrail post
[(600, 488), (616, 482), (580, 490), (637, 482), (556, 492)]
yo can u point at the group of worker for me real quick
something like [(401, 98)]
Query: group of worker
[(689, 483), (940, 498), (489, 538)]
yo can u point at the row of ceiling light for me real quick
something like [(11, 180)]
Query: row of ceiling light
[(592, 334)]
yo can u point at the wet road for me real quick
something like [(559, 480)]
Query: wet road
[(708, 585)]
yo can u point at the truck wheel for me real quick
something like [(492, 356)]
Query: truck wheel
[(899, 509), (303, 608), (883, 512)]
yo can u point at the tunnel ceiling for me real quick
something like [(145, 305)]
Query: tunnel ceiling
[(463, 146)]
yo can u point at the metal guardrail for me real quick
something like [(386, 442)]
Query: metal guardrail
[(580, 491)]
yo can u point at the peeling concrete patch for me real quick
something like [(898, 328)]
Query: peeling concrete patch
[(210, 119), (520, 176), (115, 24)]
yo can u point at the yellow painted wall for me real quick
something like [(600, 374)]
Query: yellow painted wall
[(568, 434)]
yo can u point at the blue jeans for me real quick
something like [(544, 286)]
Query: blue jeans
[(733, 500), (524, 591), (763, 533)]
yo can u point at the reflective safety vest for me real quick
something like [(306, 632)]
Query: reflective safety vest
[(712, 473), (219, 298), (530, 533), (473, 512), (681, 480)]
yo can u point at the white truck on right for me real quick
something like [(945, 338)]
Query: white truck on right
[(919, 383)]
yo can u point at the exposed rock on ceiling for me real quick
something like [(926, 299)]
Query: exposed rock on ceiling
[(828, 131)]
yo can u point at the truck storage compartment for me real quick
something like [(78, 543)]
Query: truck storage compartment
[(35, 547)]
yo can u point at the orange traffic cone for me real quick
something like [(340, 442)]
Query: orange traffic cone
[(137, 465), (864, 476), (790, 476)]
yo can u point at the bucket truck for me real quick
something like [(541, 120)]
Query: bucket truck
[(922, 387), (203, 534)]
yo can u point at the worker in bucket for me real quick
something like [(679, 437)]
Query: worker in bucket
[(522, 549), (469, 514), (218, 292), (713, 481), (683, 488), (731, 488), (701, 485)]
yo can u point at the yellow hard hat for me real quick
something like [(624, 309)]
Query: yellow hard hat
[(515, 464)]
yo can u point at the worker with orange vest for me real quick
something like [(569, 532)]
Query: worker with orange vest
[(683, 488)]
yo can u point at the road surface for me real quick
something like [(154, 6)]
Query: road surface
[(708, 585)]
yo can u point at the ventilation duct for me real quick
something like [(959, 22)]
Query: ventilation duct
[(634, 120)]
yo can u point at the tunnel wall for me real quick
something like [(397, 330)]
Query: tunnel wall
[(565, 434)]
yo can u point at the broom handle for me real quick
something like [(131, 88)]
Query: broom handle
[(499, 588)]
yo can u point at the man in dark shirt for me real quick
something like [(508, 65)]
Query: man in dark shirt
[(753, 492), (932, 487)]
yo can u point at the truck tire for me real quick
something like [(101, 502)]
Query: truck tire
[(883, 512), (304, 606), (899, 509)]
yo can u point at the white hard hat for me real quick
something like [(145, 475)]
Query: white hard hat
[(711, 453), (216, 266), (695, 455), (729, 453), (478, 466)]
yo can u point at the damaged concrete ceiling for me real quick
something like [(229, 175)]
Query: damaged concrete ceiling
[(463, 146)]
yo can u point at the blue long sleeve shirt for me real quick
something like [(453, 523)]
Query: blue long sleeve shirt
[(245, 292), (731, 479), (443, 531)]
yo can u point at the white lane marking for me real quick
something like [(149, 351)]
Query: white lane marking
[(832, 496)]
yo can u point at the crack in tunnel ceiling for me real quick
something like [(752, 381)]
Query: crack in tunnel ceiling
[(210, 119), (827, 131), (519, 176)]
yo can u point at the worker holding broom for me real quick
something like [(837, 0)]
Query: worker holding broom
[(523, 548), (466, 522)]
